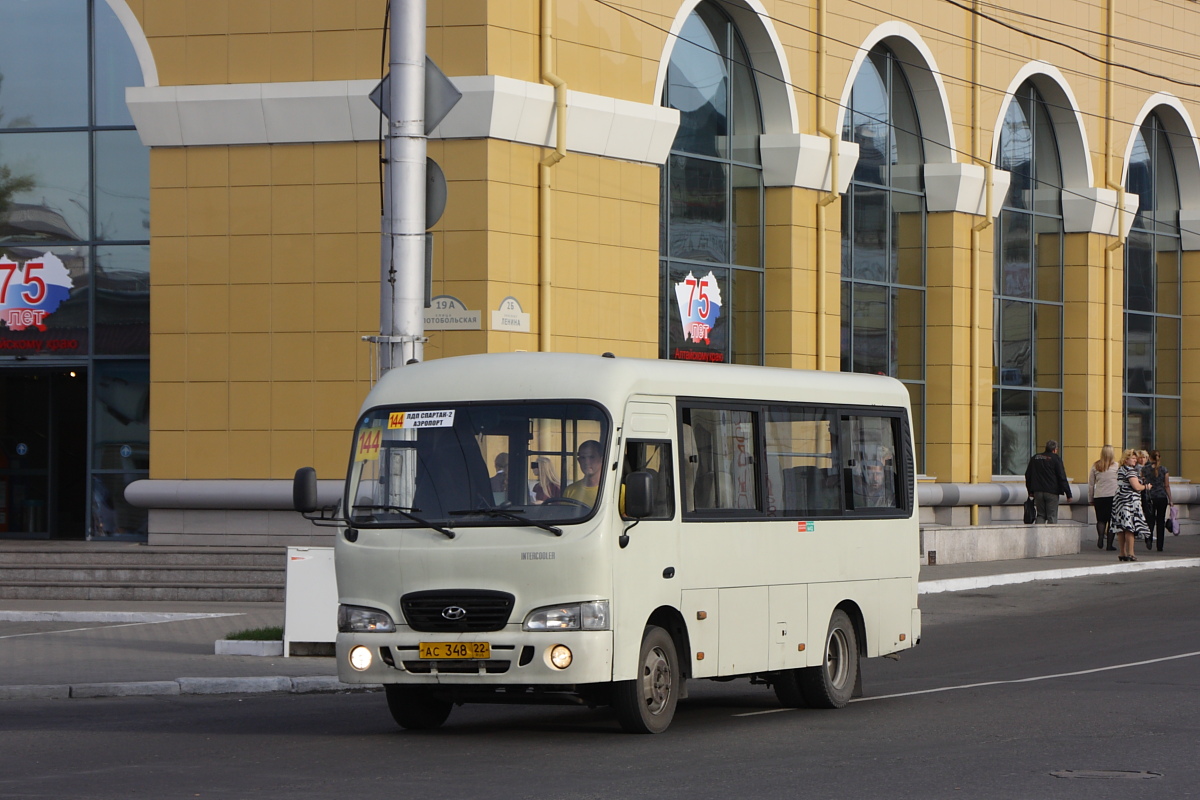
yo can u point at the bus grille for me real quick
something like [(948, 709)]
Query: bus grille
[(457, 610)]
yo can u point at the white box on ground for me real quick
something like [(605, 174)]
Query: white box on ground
[(310, 597)]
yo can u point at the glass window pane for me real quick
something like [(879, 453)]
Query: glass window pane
[(1166, 189), (744, 101), (698, 324), (1139, 423), (1139, 354), (802, 476), (724, 459), (1141, 179), (1015, 256), (1166, 356), (699, 210), (871, 257), (1016, 155), (122, 186), (869, 456), (116, 68), (907, 154), (847, 325), (44, 64), (908, 314), (698, 85), (55, 205), (908, 239), (1048, 360), (44, 301), (1013, 444), (1049, 418), (1014, 336), (1166, 268), (1167, 432), (122, 416), (123, 300), (1139, 271), (870, 315), (1048, 254), (869, 120), (747, 217)]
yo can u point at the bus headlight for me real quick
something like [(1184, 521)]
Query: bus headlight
[(591, 616), (360, 658), (357, 619), (560, 656)]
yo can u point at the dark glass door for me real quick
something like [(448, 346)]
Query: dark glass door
[(43, 453)]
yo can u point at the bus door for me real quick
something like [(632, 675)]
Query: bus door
[(646, 564)]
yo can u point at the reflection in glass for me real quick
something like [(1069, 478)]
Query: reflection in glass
[(698, 85), (870, 345), (1014, 338), (122, 186), (43, 62), (1012, 437), (55, 208), (1139, 354), (699, 222), (123, 300), (116, 68)]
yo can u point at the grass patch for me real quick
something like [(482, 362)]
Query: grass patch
[(270, 634)]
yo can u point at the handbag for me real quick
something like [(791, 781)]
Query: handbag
[(1173, 521), (1030, 511)]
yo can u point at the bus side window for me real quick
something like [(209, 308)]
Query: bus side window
[(870, 468), (655, 459)]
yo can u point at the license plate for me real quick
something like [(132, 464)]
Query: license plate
[(441, 650)]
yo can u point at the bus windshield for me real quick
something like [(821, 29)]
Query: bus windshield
[(473, 464)]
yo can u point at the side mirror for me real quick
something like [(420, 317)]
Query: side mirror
[(639, 495), (304, 490)]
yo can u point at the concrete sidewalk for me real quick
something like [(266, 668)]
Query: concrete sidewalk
[(81, 648)]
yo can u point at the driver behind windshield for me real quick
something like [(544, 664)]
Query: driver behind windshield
[(584, 490)]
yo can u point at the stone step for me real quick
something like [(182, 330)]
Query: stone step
[(90, 590), (261, 557), (148, 574)]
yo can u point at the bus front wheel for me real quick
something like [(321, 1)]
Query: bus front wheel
[(647, 703), (414, 708), (831, 684)]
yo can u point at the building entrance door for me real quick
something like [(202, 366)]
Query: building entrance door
[(43, 453)]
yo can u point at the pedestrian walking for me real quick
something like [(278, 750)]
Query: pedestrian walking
[(1157, 476), (1045, 480), (1128, 517), (1102, 487)]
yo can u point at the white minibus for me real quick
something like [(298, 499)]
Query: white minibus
[(564, 528)]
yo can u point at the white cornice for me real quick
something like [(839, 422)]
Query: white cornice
[(341, 111)]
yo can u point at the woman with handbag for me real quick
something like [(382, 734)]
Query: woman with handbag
[(1160, 497), (1128, 518), (1102, 486)]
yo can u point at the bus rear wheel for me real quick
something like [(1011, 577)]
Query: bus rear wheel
[(831, 684), (647, 703), (414, 708)]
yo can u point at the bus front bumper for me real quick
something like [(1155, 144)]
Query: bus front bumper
[(517, 658)]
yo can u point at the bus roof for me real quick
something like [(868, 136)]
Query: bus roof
[(549, 376)]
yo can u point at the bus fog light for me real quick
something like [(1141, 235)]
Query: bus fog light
[(360, 658), (560, 656)]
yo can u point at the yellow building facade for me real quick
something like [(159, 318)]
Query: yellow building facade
[(265, 207)]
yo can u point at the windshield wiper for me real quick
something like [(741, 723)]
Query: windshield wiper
[(407, 512), (509, 514)]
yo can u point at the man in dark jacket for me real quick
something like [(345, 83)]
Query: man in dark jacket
[(1045, 480)]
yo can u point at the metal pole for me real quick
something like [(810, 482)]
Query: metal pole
[(402, 291)]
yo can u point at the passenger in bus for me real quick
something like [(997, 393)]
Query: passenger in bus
[(547, 485), (584, 490), (500, 479), (872, 489)]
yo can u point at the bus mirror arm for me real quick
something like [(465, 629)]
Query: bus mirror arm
[(623, 540)]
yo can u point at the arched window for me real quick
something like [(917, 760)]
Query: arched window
[(712, 199), (75, 259), (1152, 297), (1028, 289), (883, 233)]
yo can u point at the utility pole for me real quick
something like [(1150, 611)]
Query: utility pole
[(402, 289)]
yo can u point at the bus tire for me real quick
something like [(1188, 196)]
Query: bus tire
[(831, 684), (647, 704), (414, 708)]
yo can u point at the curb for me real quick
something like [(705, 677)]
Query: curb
[(309, 684), (984, 581)]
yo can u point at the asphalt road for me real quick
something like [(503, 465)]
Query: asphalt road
[(1097, 679)]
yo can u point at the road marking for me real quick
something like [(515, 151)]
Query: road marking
[(986, 581), (1033, 679)]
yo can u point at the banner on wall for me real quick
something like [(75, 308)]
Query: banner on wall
[(699, 303)]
